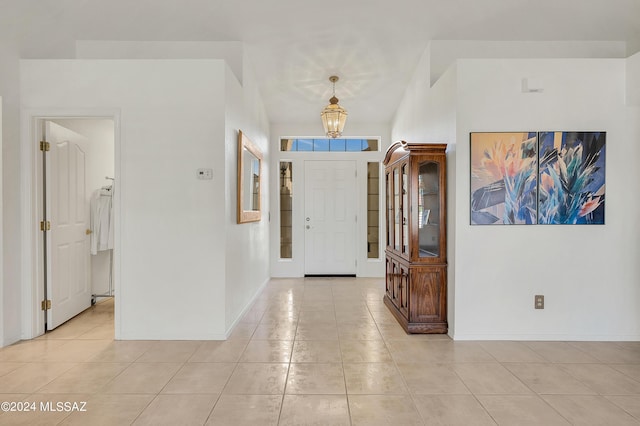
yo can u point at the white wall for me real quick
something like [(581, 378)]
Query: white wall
[(295, 267), (230, 51), (246, 252), (11, 241), (633, 123), (409, 118), (588, 274), (633, 80), (444, 53), (1, 254), (169, 242), (244, 110), (100, 163), (428, 114)]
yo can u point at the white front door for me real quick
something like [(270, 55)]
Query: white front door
[(330, 217), (67, 209)]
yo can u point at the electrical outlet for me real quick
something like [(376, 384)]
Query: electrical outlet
[(204, 174), (539, 301)]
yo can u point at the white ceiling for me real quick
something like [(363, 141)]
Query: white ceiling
[(295, 45)]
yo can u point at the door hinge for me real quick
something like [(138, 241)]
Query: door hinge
[(45, 225), (45, 305), (45, 146)]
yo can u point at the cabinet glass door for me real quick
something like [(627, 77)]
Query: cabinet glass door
[(396, 210), (405, 209), (389, 202), (429, 209)]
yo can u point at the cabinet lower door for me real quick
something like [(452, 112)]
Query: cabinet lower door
[(404, 277), (389, 278), (428, 298), (396, 292)]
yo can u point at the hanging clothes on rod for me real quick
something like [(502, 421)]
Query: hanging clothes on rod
[(101, 222)]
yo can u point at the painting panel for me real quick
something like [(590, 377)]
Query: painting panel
[(572, 177), (504, 178)]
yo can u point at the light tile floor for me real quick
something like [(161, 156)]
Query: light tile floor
[(316, 352)]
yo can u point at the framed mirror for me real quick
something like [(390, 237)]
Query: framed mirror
[(249, 176)]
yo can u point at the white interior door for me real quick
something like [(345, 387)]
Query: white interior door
[(330, 217), (67, 209)]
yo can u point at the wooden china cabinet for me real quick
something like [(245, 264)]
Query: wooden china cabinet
[(416, 251)]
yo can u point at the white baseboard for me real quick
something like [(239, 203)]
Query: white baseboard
[(179, 336), (9, 341), (248, 306), (549, 337)]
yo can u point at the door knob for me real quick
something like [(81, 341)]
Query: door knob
[(88, 231), (308, 227), (308, 219)]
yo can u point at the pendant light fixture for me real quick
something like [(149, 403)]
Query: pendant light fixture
[(333, 115)]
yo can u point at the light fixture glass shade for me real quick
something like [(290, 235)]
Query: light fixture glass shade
[(333, 118)]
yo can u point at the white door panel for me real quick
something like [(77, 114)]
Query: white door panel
[(330, 217), (68, 282)]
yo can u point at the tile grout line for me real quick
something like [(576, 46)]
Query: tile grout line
[(344, 374), (286, 377), (395, 364), (536, 394), (234, 367), (163, 387), (637, 418)]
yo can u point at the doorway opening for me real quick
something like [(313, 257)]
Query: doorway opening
[(75, 181)]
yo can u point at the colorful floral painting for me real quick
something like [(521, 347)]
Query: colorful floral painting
[(504, 178), (544, 178), (572, 177)]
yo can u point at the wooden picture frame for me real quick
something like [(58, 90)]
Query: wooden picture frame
[(249, 180)]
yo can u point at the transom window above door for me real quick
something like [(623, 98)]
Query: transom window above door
[(329, 145)]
